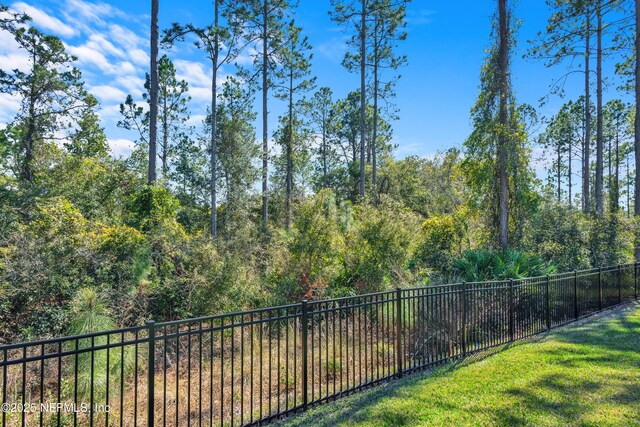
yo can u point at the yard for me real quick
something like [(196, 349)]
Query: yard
[(585, 374)]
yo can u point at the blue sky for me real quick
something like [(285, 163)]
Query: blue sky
[(445, 48)]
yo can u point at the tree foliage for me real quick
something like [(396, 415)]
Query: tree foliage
[(87, 245)]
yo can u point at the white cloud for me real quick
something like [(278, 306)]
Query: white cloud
[(247, 56), (193, 72), (110, 114), (140, 57), (127, 67), (121, 147), (196, 119), (93, 11), (88, 56), (9, 106), (200, 94), (11, 56), (100, 42), (198, 75), (16, 61), (8, 43), (133, 85), (108, 93), (126, 39), (43, 20)]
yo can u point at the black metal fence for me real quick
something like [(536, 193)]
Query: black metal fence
[(251, 367)]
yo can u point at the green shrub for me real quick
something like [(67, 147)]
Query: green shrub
[(45, 262), (440, 242), (559, 234), (316, 245), (611, 240), (380, 246), (482, 265), (89, 314)]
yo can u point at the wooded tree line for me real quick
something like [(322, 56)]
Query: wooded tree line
[(226, 214), (586, 29), (572, 28), (347, 136)]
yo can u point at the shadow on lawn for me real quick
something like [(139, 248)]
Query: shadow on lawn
[(612, 342)]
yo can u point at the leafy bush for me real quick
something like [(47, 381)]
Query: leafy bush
[(317, 244), (441, 241), (559, 234), (572, 240), (215, 281), (380, 246), (44, 263), (611, 240)]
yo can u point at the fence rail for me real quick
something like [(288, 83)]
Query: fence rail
[(250, 367)]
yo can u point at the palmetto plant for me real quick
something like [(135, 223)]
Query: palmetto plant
[(482, 265), (91, 315)]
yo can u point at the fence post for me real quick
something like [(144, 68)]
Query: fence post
[(547, 307), (511, 317), (305, 370), (635, 280), (619, 284), (464, 318), (151, 362), (599, 288), (399, 332), (575, 293)]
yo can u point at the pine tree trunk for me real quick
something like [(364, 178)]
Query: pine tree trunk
[(289, 178), (165, 134), (363, 51), (569, 173), (616, 181), (599, 129), (324, 149), (26, 170), (153, 100), (610, 178), (214, 127), (265, 114), (558, 176), (628, 186), (636, 138), (374, 156), (503, 64), (586, 148)]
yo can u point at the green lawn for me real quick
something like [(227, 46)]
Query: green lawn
[(587, 374)]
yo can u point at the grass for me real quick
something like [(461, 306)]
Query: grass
[(587, 374)]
